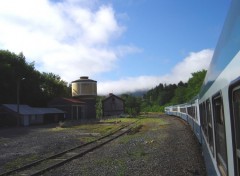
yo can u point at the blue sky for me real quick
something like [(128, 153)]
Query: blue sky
[(166, 31), (125, 45)]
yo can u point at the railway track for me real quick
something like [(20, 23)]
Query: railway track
[(40, 166)]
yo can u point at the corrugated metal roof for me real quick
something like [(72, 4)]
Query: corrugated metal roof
[(27, 110), (49, 110)]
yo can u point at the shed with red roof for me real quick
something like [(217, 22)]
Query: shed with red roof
[(74, 108)]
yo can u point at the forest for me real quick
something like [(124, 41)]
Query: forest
[(37, 89), (155, 99), (163, 95)]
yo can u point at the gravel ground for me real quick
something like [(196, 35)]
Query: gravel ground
[(168, 149), (19, 146)]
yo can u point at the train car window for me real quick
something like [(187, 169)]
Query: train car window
[(189, 110), (175, 109), (201, 114), (209, 125), (194, 112), (220, 135), (203, 117), (205, 120), (236, 118), (183, 110)]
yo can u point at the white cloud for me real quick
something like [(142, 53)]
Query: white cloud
[(69, 38), (195, 61), (73, 38)]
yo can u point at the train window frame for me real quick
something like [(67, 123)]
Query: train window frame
[(195, 112), (210, 126), (235, 85), (218, 118), (204, 120), (201, 115)]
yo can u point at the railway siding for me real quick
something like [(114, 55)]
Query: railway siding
[(159, 146), (21, 146), (162, 145)]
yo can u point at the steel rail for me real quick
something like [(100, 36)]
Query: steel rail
[(86, 148)]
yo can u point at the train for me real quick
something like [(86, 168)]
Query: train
[(214, 114)]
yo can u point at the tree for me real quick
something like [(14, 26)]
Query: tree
[(12, 68), (179, 95), (99, 112), (161, 95), (53, 86), (132, 104), (36, 89), (195, 84)]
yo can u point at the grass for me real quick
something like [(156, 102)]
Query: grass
[(143, 125), (104, 127), (141, 144), (152, 123), (88, 128), (97, 128), (3, 140), (18, 162), (109, 125), (135, 137), (86, 139), (119, 120), (139, 152), (57, 129)]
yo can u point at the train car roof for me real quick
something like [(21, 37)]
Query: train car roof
[(227, 47)]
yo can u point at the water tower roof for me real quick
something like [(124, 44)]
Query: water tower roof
[(84, 79)]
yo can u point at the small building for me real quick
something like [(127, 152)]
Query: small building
[(28, 115), (74, 108), (113, 105)]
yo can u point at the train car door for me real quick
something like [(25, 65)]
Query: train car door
[(220, 135)]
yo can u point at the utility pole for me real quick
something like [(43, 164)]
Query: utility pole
[(18, 93)]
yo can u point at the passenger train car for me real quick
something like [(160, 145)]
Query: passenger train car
[(214, 114)]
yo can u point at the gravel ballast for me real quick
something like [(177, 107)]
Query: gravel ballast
[(163, 145), (167, 149)]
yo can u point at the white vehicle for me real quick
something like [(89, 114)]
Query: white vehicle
[(215, 114)]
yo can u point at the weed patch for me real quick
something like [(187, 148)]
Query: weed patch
[(138, 152), (135, 129), (86, 139), (20, 161), (4, 140)]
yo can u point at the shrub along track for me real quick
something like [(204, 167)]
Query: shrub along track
[(48, 163)]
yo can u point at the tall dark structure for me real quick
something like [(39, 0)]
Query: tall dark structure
[(85, 90)]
